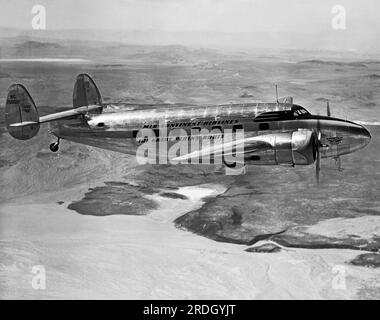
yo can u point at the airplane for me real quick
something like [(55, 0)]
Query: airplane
[(278, 133)]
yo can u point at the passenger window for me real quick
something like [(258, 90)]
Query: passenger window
[(216, 128), (237, 127), (263, 126)]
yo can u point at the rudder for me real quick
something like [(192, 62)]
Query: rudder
[(86, 93), (20, 109)]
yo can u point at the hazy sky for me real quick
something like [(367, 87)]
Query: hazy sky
[(195, 15)]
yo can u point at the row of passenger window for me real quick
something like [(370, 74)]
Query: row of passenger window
[(214, 128)]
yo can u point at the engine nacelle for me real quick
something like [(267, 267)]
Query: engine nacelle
[(288, 148)]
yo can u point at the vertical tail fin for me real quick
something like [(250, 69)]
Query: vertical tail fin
[(21, 115), (86, 93)]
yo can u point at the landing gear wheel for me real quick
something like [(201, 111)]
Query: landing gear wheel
[(54, 146)]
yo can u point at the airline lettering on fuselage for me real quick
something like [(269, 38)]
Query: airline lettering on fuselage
[(196, 132), (335, 140), (192, 124)]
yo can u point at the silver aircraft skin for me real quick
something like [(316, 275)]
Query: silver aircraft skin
[(279, 133)]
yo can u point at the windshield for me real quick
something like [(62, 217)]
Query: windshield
[(299, 111), (294, 113)]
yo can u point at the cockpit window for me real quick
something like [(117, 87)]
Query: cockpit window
[(299, 111), (294, 113)]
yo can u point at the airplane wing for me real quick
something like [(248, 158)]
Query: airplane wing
[(243, 146)]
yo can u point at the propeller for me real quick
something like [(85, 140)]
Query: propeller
[(318, 145), (338, 163)]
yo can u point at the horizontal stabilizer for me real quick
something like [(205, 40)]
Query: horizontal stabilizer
[(23, 124), (56, 116), (21, 115), (68, 113)]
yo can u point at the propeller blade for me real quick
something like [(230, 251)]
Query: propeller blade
[(328, 109), (338, 163), (318, 164), (318, 151)]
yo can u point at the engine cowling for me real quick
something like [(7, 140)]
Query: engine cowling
[(302, 149), (288, 148)]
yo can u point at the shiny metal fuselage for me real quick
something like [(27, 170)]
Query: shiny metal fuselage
[(116, 128)]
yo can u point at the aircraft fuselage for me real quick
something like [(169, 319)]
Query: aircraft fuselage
[(118, 129)]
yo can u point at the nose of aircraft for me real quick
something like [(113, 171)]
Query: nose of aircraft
[(363, 137), (353, 135), (366, 136)]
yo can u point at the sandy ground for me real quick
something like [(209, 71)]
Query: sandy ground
[(146, 257), (366, 227)]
